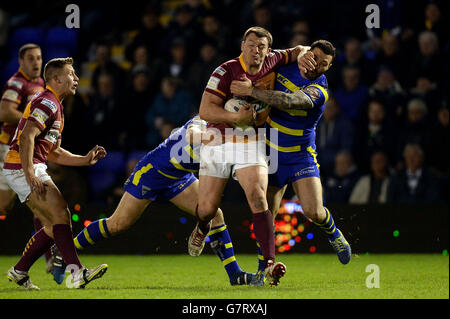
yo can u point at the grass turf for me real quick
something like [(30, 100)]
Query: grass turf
[(309, 276)]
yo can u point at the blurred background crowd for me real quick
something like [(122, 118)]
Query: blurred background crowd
[(383, 137)]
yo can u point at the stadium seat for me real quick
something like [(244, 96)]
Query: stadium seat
[(136, 155), (24, 35), (61, 37), (9, 69), (114, 162), (104, 173), (54, 52)]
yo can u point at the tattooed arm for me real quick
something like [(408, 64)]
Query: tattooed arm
[(297, 100), (281, 100)]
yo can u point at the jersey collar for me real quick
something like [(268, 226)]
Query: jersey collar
[(241, 61), (48, 87), (24, 74)]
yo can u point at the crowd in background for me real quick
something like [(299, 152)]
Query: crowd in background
[(383, 137)]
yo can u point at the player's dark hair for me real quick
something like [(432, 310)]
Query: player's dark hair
[(24, 48), (55, 64), (326, 47), (260, 33)]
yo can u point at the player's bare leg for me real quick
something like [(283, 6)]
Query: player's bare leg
[(274, 197), (7, 200), (126, 214), (254, 181), (309, 192), (187, 201), (7, 197), (52, 210), (209, 197), (220, 241)]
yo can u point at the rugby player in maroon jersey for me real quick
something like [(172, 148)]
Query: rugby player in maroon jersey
[(36, 140), (218, 159), (16, 94)]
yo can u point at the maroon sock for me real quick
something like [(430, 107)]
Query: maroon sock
[(204, 225), (64, 241), (34, 249), (263, 230), (37, 226)]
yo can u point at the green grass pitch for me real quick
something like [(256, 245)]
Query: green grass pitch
[(309, 276)]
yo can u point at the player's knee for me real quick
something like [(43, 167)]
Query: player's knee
[(59, 212), (315, 213), (257, 200), (116, 225), (207, 211)]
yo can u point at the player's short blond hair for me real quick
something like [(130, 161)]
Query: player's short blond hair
[(55, 65), (260, 33)]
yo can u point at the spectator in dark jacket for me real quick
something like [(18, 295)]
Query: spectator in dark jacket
[(415, 183), (333, 134), (374, 133), (339, 186)]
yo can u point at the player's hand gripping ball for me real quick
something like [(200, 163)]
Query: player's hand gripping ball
[(261, 109)]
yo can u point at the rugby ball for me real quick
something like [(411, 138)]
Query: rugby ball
[(262, 110)]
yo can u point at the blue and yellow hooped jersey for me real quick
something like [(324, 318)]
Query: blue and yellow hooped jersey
[(175, 157), (296, 128)]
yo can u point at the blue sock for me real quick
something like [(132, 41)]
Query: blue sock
[(328, 226), (93, 233), (220, 243), (261, 263)]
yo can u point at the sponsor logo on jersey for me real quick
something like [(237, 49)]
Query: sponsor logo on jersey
[(50, 104), (15, 83), (10, 95), (40, 116), (220, 71), (145, 189), (305, 171), (56, 125), (213, 83), (52, 136), (313, 92)]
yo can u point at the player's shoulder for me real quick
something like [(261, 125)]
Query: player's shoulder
[(227, 66), (16, 81), (47, 100), (322, 81)]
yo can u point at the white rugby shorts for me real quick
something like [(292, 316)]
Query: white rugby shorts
[(3, 150), (223, 159), (18, 183)]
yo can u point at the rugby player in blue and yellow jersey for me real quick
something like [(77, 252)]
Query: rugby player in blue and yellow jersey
[(297, 105), (167, 174)]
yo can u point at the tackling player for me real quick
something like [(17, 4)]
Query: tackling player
[(167, 174), (296, 149), (243, 158), (36, 140)]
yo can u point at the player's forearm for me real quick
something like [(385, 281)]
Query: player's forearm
[(215, 114), (297, 100), (63, 157), (8, 113), (26, 150), (298, 51)]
